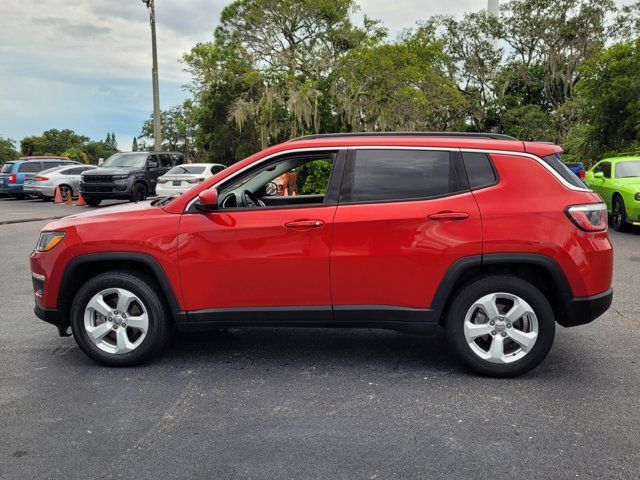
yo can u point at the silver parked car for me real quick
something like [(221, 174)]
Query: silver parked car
[(44, 183)]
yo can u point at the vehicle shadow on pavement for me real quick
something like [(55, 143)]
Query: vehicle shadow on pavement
[(383, 349)]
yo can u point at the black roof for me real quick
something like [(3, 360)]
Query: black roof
[(489, 136)]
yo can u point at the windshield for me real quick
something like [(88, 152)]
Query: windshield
[(126, 160), (182, 169), (628, 169)]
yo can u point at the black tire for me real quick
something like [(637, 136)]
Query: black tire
[(92, 202), (139, 193), (65, 191), (469, 294), (619, 215), (160, 325)]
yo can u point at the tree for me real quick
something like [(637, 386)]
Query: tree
[(52, 142), (76, 154), (609, 98), (134, 145), (401, 86), (292, 46), (7, 150), (177, 130), (98, 150)]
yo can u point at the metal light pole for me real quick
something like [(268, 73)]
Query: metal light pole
[(157, 126)]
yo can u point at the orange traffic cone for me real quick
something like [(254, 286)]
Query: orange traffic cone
[(57, 198), (69, 199), (80, 202)]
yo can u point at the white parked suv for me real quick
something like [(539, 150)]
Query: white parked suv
[(183, 177)]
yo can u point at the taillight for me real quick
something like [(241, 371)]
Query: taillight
[(590, 218), (162, 180), (12, 178), (195, 180), (582, 173), (38, 178)]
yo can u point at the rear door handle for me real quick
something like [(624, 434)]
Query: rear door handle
[(304, 224), (448, 216)]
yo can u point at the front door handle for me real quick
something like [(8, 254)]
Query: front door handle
[(304, 224), (448, 216)]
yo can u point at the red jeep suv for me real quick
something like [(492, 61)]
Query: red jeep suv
[(492, 238)]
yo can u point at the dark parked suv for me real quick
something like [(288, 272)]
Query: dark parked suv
[(132, 176)]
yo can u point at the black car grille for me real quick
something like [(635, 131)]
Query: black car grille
[(96, 188), (97, 179)]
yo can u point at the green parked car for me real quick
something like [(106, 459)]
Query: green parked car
[(617, 180)]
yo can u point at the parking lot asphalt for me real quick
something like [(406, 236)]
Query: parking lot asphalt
[(318, 404), (30, 210)]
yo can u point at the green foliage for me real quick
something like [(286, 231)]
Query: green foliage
[(313, 177), (609, 97), (7, 150), (134, 145), (52, 142), (75, 153), (178, 130)]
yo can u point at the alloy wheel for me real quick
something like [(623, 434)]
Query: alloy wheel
[(116, 321), (501, 328)]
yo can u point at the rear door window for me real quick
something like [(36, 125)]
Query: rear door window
[(31, 167), (165, 160), (396, 175)]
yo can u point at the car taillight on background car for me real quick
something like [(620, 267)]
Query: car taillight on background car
[(12, 178), (162, 180), (195, 180), (590, 217), (39, 178)]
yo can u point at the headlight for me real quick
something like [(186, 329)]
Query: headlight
[(48, 240), (638, 196), (120, 177)]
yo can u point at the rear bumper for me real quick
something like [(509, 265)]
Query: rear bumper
[(11, 189), (582, 310)]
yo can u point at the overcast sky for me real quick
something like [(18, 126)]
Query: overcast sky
[(86, 64)]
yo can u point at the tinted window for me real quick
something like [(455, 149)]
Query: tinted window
[(217, 168), (54, 163), (186, 169), (479, 170), (605, 168), (76, 170), (628, 169), (177, 159), (165, 160), (379, 175), (555, 162), (7, 167), (30, 167)]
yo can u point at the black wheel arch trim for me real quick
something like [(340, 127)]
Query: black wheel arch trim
[(149, 261)]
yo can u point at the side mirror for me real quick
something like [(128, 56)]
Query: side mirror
[(599, 175), (270, 189), (152, 164), (208, 200)]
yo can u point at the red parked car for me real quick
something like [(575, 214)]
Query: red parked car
[(492, 238)]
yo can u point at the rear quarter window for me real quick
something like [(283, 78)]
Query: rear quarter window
[(480, 170), (7, 167), (556, 163)]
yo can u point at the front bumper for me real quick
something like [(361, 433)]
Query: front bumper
[(52, 316), (105, 191), (582, 310)]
